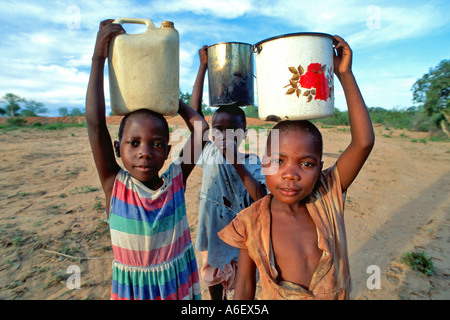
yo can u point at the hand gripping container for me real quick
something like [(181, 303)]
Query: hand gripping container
[(144, 69)]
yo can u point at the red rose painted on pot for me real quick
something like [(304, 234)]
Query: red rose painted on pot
[(315, 78), (315, 67)]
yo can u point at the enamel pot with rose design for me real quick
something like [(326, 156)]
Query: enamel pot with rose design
[(294, 76)]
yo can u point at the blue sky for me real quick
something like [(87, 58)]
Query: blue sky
[(46, 46)]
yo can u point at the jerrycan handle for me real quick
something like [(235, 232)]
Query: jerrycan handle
[(147, 22)]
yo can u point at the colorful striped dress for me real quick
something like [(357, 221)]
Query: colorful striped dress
[(153, 253)]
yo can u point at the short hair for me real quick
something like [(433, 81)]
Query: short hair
[(144, 113), (233, 110), (302, 125)]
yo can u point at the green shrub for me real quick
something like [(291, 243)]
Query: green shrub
[(418, 261), (16, 121)]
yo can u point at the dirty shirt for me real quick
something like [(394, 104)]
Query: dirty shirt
[(222, 196), (331, 280)]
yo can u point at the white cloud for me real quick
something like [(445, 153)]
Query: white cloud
[(188, 54), (323, 16), (400, 23), (50, 83), (360, 22), (228, 9)]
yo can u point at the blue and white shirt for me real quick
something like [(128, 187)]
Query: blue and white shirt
[(222, 196)]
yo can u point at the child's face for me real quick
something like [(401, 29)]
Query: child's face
[(227, 129), (144, 148), (295, 166)]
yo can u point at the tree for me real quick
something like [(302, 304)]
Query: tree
[(432, 93), (206, 110), (12, 103), (251, 111), (185, 97), (33, 108), (76, 112), (63, 112)]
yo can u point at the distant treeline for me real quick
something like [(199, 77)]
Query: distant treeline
[(410, 118), (398, 118)]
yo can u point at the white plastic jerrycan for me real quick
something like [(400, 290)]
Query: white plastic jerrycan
[(144, 69)]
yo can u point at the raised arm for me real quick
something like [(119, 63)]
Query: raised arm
[(194, 145), (254, 188), (197, 92), (98, 133), (362, 136)]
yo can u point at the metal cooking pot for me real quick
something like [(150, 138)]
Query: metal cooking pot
[(230, 76)]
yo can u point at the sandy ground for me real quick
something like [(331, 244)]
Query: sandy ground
[(52, 221)]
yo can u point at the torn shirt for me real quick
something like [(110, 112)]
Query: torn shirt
[(222, 196), (331, 279)]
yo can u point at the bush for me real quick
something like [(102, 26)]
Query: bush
[(397, 118), (251, 111), (16, 122), (418, 261), (339, 118)]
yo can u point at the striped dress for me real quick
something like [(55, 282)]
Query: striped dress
[(153, 253)]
